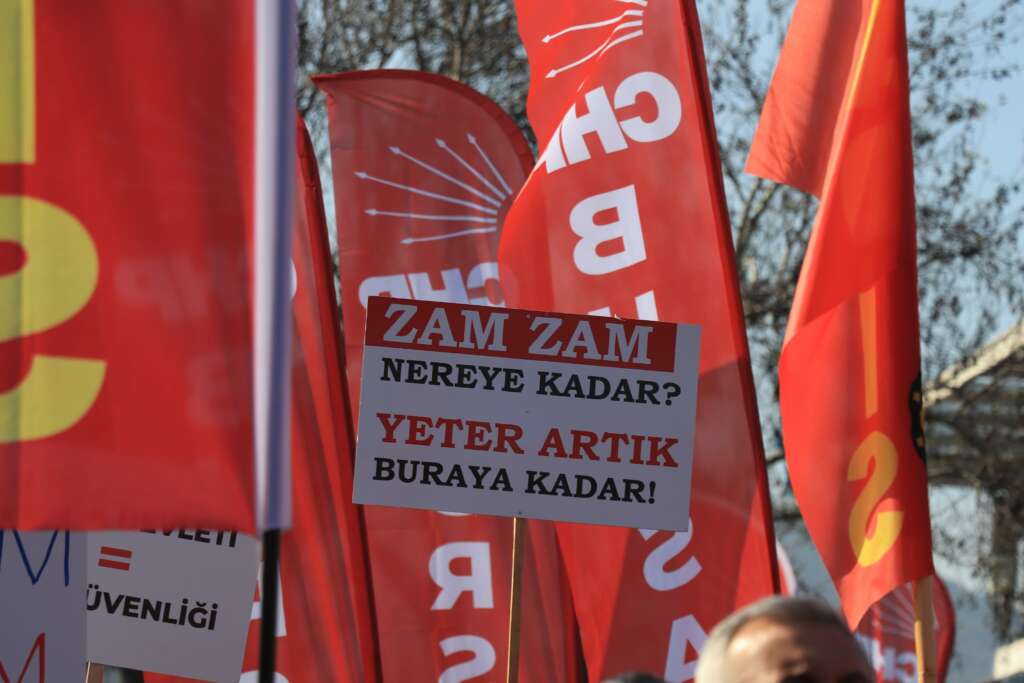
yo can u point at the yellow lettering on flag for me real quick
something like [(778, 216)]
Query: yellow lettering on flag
[(57, 280), (869, 339), (872, 534), (17, 82), (61, 266)]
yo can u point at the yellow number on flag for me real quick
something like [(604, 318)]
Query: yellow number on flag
[(17, 82), (870, 549), (61, 265), (58, 278)]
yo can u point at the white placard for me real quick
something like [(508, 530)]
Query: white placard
[(174, 602), (42, 606), (528, 414)]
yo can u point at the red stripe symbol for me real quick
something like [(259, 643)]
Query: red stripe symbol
[(107, 552)]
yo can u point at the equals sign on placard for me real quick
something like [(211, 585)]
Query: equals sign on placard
[(115, 558)]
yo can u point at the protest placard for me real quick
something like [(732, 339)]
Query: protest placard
[(42, 615), (527, 414), (176, 602)]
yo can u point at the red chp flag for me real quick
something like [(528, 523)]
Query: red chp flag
[(887, 634), (624, 215), (424, 171), (325, 620), (326, 630), (850, 366), (126, 264)]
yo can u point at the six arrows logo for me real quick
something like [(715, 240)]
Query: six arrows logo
[(625, 26), (115, 558), (894, 614), (484, 193)]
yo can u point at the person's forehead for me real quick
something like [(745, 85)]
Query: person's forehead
[(768, 625), (787, 641), (759, 634)]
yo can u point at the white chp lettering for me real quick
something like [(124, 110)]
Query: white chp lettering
[(482, 662), (685, 631), (657, 577), (568, 144), (599, 120), (900, 667), (477, 582), (622, 237), (478, 278), (384, 285), (454, 288), (906, 667), (666, 101)]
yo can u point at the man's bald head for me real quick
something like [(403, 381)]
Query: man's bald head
[(783, 639)]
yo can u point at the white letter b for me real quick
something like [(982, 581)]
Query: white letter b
[(624, 228)]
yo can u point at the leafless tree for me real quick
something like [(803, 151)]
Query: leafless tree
[(969, 251), (969, 216)]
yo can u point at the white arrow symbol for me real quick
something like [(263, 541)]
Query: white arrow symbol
[(490, 164), (434, 195), (432, 217), (597, 24), (448, 236), (609, 43), (465, 164), (442, 174)]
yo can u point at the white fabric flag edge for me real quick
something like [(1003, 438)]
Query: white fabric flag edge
[(274, 189)]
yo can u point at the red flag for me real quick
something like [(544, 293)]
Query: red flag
[(325, 620), (887, 634), (424, 171), (327, 629), (126, 243), (624, 215), (850, 366)]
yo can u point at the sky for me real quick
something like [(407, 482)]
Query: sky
[(1000, 143)]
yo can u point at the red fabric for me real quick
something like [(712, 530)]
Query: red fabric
[(144, 136), (802, 104), (404, 143), (849, 373), (326, 631), (329, 634), (644, 600), (887, 633)]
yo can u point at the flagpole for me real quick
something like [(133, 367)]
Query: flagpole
[(268, 606), (924, 630), (93, 672), (518, 529), (275, 42)]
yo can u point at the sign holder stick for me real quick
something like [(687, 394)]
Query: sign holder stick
[(924, 630), (93, 672), (268, 605), (518, 533)]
